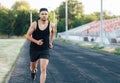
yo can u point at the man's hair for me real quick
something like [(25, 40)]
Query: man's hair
[(43, 9)]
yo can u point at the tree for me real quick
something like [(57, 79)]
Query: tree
[(5, 21), (16, 21), (90, 18), (75, 11), (77, 22), (21, 5), (60, 26), (22, 21)]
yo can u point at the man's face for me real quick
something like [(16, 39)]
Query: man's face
[(43, 15)]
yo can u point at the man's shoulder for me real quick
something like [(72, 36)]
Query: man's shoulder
[(52, 24), (34, 24)]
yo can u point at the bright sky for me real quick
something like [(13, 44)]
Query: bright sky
[(90, 6)]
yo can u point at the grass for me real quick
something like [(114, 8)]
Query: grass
[(9, 51), (117, 51), (10, 37), (111, 50)]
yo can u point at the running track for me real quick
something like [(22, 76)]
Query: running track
[(70, 64)]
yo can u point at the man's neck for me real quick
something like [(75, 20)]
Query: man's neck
[(43, 21)]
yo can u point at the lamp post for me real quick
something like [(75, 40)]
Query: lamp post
[(66, 18), (66, 15), (101, 25), (30, 17)]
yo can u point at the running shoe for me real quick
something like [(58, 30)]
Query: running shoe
[(33, 75)]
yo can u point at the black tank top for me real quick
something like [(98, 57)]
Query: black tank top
[(41, 34)]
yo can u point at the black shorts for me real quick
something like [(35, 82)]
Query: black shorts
[(36, 54)]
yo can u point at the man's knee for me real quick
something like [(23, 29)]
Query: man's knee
[(33, 66), (43, 70)]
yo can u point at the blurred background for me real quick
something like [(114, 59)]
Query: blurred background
[(91, 21), (15, 14)]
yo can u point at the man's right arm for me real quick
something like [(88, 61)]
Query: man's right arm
[(29, 33)]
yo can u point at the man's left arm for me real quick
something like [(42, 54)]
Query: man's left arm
[(52, 33)]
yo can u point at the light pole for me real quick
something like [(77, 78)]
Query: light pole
[(30, 17), (66, 17), (101, 25), (54, 16)]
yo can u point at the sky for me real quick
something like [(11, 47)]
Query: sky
[(90, 6)]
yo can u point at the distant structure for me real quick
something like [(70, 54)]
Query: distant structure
[(91, 32)]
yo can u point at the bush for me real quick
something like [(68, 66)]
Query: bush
[(117, 51), (97, 47)]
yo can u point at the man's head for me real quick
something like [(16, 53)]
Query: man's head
[(43, 14)]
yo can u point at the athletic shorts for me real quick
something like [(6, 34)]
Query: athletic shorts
[(35, 54)]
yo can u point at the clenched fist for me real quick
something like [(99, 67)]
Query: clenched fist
[(50, 45), (40, 42)]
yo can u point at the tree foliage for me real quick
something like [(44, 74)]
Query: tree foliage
[(16, 21), (76, 16), (21, 5), (75, 12)]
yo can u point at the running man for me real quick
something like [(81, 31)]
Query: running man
[(40, 33)]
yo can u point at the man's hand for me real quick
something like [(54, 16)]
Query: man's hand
[(39, 42), (51, 45)]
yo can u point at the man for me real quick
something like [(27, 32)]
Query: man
[(40, 33)]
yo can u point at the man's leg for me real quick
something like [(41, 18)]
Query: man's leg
[(43, 68), (33, 66)]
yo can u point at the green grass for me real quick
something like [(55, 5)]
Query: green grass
[(94, 47), (117, 51), (63, 40), (10, 37), (9, 51)]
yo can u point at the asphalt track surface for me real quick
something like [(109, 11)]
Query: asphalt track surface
[(70, 64)]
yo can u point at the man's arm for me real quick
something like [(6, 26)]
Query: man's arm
[(53, 30), (29, 34)]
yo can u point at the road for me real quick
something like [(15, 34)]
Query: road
[(70, 64)]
